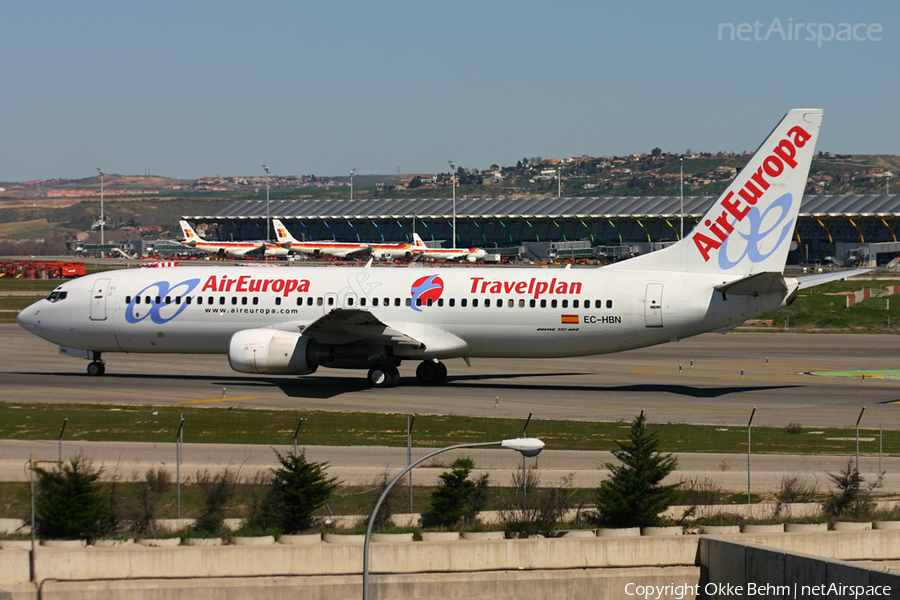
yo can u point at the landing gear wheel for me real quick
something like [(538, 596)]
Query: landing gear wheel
[(384, 376), (96, 369), (430, 372)]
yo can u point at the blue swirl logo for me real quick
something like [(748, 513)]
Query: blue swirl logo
[(160, 312), (755, 236)]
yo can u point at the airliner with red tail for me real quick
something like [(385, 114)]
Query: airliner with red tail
[(236, 249), (285, 320)]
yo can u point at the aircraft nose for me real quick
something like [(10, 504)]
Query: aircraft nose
[(28, 318)]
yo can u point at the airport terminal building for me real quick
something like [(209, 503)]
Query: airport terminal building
[(852, 228)]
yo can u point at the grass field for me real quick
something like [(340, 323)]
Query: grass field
[(276, 427)]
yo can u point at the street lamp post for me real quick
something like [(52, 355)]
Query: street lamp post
[(102, 216), (268, 217), (527, 446), (681, 196), (453, 183), (352, 171)]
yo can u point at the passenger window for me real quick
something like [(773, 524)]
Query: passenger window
[(521, 304), (543, 304), (532, 303), (318, 302), (234, 300), (299, 301), (430, 302), (221, 300), (362, 301), (598, 304), (277, 301), (177, 299), (350, 301), (418, 302), (255, 300), (553, 304), (452, 302), (574, 303), (609, 304), (168, 299), (565, 304), (158, 300), (244, 300), (211, 300), (463, 302), (440, 301), (309, 301), (475, 302), (396, 302), (409, 301), (331, 301)]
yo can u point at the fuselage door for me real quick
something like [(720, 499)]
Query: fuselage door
[(653, 316), (98, 300)]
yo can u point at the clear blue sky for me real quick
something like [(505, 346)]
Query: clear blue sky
[(194, 88)]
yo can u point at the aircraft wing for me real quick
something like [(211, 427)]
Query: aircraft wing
[(820, 278), (342, 326)]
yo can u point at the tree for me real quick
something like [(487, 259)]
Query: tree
[(656, 151), (298, 490), (633, 495), (458, 497), (69, 502)]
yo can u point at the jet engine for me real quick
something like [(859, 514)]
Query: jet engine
[(274, 352)]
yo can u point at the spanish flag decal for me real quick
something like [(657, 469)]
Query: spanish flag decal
[(570, 319)]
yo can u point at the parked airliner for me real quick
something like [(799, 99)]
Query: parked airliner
[(446, 254), (379, 250), (236, 249), (292, 320)]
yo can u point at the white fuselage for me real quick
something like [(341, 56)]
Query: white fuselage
[(465, 312)]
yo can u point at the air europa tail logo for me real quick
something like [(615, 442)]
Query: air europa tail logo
[(426, 288), (735, 209)]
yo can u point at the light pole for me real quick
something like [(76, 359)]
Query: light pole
[(681, 195), (453, 183), (527, 446), (268, 217), (352, 171), (102, 217)]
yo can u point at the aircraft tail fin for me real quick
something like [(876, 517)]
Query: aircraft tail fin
[(417, 241), (748, 229), (190, 236), (282, 235)]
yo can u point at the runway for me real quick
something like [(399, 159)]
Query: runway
[(599, 388)]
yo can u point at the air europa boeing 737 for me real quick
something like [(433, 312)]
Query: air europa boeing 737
[(292, 320)]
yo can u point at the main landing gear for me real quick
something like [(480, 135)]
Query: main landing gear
[(431, 372), (384, 375)]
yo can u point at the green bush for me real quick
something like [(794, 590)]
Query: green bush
[(69, 503), (633, 495), (299, 489), (458, 498)]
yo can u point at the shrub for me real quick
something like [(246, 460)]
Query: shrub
[(633, 495), (546, 507), (793, 428), (458, 498), (299, 489), (69, 503), (849, 498), (217, 490)]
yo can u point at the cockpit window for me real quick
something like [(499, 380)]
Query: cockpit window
[(56, 296)]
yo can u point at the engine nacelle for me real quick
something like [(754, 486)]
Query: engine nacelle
[(274, 352)]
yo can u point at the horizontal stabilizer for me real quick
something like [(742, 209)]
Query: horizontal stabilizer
[(820, 278), (754, 285)]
